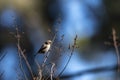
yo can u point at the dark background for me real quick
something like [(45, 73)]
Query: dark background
[(38, 20)]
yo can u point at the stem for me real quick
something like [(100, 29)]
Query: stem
[(46, 57), (51, 74), (116, 47), (21, 67), (73, 48), (22, 53)]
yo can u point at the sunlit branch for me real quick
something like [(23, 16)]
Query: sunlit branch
[(116, 47), (52, 71)]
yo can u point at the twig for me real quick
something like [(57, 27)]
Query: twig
[(19, 76), (116, 47), (22, 52), (46, 57), (51, 74), (39, 71), (73, 48), (54, 38), (40, 74), (21, 66)]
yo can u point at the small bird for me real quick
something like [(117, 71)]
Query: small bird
[(45, 47)]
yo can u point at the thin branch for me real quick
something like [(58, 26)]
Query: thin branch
[(51, 74), (40, 75), (54, 38), (116, 47), (22, 52), (45, 59), (39, 71), (19, 76), (73, 48), (21, 66)]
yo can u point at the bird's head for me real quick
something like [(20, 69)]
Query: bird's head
[(48, 42)]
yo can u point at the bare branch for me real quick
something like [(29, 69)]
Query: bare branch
[(116, 47), (51, 74), (21, 52), (21, 66), (39, 77), (45, 59), (73, 48)]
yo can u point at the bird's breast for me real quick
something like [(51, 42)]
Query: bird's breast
[(48, 47)]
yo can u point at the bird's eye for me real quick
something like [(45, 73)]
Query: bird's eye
[(46, 43)]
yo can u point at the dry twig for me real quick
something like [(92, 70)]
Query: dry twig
[(73, 48), (21, 52), (52, 71), (21, 66), (39, 77), (116, 47)]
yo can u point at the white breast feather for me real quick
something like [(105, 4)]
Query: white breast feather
[(48, 47)]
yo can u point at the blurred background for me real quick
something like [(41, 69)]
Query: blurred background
[(39, 20)]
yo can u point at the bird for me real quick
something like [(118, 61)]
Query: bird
[(44, 48)]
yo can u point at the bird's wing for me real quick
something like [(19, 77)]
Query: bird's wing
[(42, 48)]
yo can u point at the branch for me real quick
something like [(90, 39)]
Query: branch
[(73, 48), (22, 53), (116, 47), (21, 66), (51, 74), (46, 57), (39, 77)]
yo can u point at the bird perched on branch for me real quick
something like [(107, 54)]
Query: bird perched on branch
[(45, 47)]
